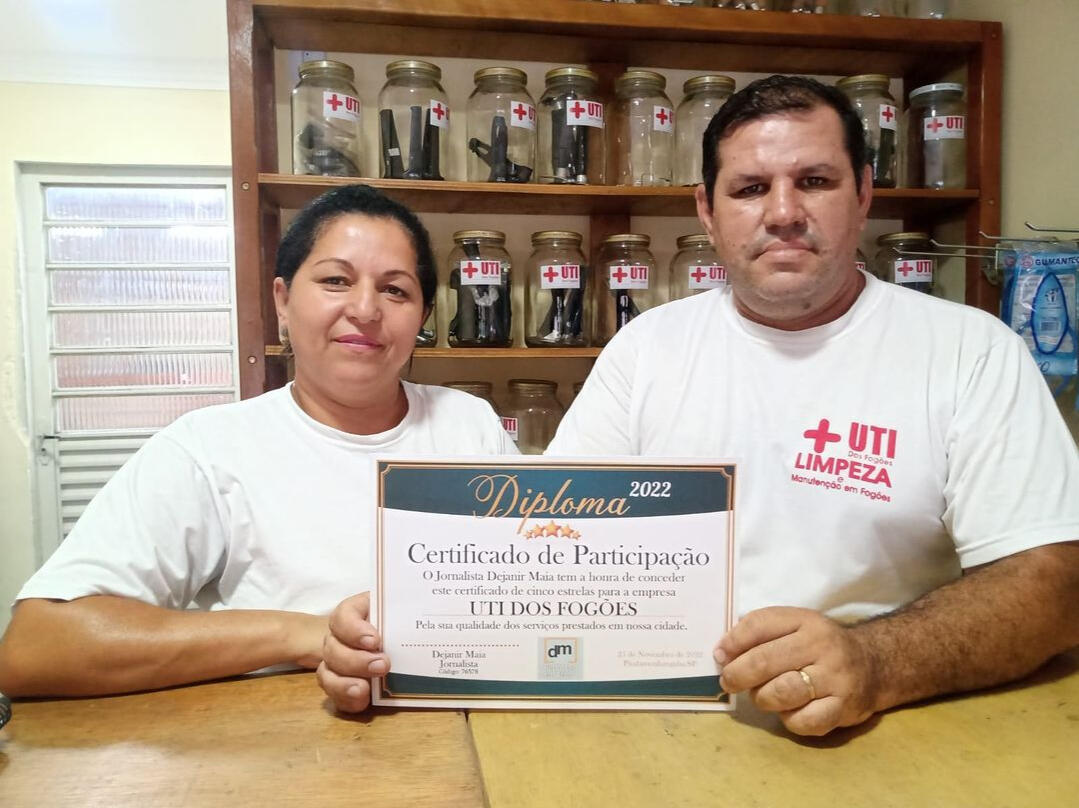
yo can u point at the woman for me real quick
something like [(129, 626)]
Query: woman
[(260, 512)]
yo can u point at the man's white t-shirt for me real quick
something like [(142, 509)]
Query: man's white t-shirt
[(878, 454), (253, 505)]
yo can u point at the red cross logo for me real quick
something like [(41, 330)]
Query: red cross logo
[(820, 436), (550, 274), (935, 125), (619, 275), (887, 114), (470, 269), (663, 116), (576, 109), (438, 110), (697, 274), (335, 102), (905, 269), (520, 112)]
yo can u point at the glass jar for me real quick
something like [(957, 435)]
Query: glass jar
[(812, 6), (501, 118), (480, 290), (626, 283), (641, 130), (880, 118), (571, 142), (873, 8), (704, 95), (534, 411), (746, 5), (428, 334), (477, 389), (695, 268), (929, 9), (326, 121), (556, 313), (703, 3), (413, 121), (937, 144), (914, 272)]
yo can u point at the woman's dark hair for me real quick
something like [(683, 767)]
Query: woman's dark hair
[(772, 96), (309, 224)]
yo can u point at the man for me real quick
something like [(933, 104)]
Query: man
[(906, 484)]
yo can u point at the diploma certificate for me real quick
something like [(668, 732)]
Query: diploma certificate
[(553, 584)]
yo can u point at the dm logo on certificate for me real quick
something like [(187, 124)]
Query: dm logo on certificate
[(493, 577)]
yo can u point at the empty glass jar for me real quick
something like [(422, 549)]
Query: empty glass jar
[(937, 127), (501, 127), (534, 411), (480, 271), (413, 121), (571, 142), (326, 121), (695, 268), (704, 95), (556, 311), (626, 283), (642, 130), (913, 271), (880, 118), (478, 389)]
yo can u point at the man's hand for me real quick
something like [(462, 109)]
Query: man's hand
[(350, 655), (768, 651)]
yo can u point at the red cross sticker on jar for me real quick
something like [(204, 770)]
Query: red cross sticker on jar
[(440, 114)]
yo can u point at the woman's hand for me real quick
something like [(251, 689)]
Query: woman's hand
[(351, 655)]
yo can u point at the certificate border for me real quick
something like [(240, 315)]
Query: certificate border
[(716, 467)]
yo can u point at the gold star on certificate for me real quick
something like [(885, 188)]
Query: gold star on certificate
[(565, 531), (574, 534), (551, 529)]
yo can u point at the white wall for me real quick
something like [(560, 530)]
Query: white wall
[(75, 124)]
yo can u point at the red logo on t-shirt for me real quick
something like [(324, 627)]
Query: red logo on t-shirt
[(863, 469)]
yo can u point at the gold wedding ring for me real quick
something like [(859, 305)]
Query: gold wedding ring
[(809, 683)]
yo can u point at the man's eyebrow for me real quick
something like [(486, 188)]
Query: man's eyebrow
[(819, 168)]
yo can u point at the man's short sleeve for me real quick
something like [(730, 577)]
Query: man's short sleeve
[(1012, 465), (153, 533)]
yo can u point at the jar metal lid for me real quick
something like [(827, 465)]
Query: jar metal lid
[(866, 80), (327, 67), (532, 385), (471, 235), (556, 235), (413, 66), (896, 238), (482, 388), (570, 73), (710, 82), (946, 87), (511, 73), (640, 77), (629, 238), (696, 240)]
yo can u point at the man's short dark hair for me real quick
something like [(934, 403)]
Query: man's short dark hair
[(775, 95)]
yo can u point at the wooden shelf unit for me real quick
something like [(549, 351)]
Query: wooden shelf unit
[(609, 37)]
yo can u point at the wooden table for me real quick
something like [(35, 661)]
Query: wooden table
[(273, 741)]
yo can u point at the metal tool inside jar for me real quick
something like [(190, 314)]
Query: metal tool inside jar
[(556, 311), (642, 130), (480, 271), (626, 283), (870, 98), (501, 118), (937, 123), (571, 143), (413, 121), (326, 121)]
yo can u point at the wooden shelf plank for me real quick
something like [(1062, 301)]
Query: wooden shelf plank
[(574, 31), (293, 191), (489, 353)]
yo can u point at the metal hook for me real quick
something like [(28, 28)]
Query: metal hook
[(1051, 239), (936, 243), (1040, 229)]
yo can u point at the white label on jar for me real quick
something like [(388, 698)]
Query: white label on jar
[(582, 112), (339, 105), (510, 425), (560, 276), (920, 271), (633, 276), (440, 114), (480, 273), (860, 266), (522, 115), (888, 117), (945, 127), (663, 119), (711, 276)]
